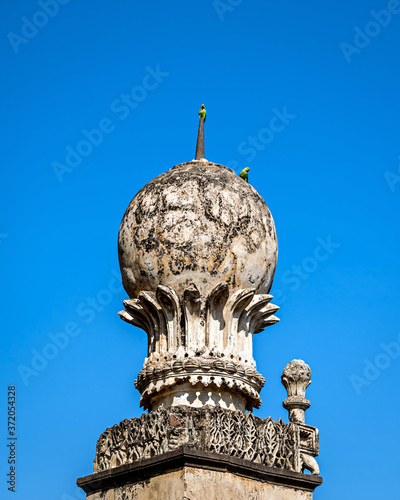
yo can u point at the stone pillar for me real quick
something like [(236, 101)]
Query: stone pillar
[(296, 377)]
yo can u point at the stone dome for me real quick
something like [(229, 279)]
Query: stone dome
[(198, 223)]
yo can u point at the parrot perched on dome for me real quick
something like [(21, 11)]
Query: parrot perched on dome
[(202, 112), (244, 175)]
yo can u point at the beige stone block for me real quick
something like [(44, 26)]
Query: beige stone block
[(193, 483)]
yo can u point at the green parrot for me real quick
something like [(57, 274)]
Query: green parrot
[(202, 112), (244, 175)]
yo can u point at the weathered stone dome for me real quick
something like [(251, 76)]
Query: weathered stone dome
[(197, 223)]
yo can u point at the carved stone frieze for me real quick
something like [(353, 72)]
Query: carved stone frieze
[(220, 322), (206, 342), (210, 371), (265, 441)]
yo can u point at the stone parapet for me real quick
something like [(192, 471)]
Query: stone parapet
[(266, 442)]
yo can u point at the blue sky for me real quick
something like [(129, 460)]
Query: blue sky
[(330, 176)]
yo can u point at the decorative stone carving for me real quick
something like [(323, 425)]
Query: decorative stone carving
[(205, 375), (308, 447), (207, 344), (272, 443), (197, 250), (309, 463), (296, 377)]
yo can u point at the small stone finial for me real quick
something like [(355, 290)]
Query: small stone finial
[(296, 377)]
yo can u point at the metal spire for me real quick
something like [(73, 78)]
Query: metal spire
[(200, 135)]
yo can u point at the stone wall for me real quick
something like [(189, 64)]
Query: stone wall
[(197, 484)]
